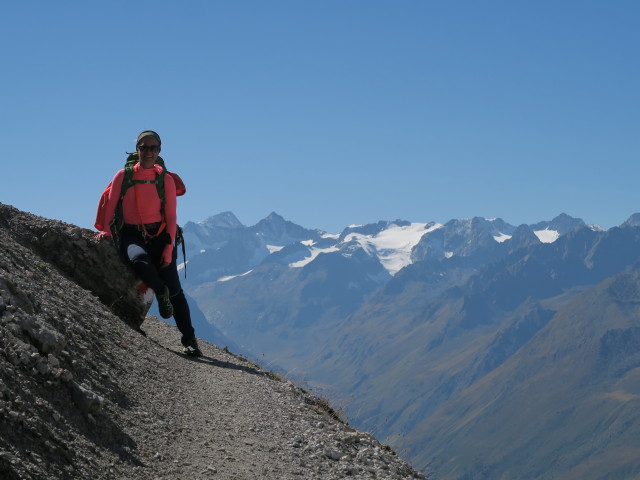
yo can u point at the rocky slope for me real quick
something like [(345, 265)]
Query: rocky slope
[(84, 395)]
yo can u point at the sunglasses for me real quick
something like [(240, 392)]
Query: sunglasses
[(149, 148)]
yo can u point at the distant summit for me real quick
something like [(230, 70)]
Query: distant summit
[(632, 221), (222, 220), (562, 224), (276, 230)]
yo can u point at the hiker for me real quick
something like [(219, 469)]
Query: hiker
[(147, 237)]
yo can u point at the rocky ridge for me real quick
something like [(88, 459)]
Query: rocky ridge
[(84, 395)]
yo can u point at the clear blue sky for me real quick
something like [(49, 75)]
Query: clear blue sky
[(328, 112)]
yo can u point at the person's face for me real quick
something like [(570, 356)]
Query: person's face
[(148, 151)]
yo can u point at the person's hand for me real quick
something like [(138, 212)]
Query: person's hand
[(100, 235), (167, 256)]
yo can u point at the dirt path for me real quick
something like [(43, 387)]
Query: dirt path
[(213, 416), (221, 417)]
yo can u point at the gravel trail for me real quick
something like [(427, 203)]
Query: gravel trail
[(220, 416)]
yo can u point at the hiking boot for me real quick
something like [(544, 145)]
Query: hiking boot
[(164, 304), (191, 348)]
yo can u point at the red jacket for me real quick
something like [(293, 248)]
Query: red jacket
[(141, 203)]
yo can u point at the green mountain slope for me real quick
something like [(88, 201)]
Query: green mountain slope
[(566, 405)]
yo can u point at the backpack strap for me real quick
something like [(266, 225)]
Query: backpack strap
[(160, 182), (129, 165), (127, 181)]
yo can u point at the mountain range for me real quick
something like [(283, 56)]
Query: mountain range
[(477, 348)]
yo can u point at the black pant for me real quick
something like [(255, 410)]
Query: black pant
[(146, 257)]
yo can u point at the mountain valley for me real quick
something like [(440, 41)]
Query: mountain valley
[(435, 336)]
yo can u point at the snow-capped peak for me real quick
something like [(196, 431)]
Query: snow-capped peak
[(393, 245), (547, 235)]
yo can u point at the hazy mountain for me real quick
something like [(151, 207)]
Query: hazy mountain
[(561, 400), (404, 322), (560, 225), (435, 350), (303, 281), (632, 221), (212, 232), (221, 246)]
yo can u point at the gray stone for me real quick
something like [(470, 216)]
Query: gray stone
[(42, 368), (86, 400), (53, 361), (333, 454), (44, 338)]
